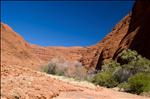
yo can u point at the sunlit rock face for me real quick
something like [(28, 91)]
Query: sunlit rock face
[(15, 50)]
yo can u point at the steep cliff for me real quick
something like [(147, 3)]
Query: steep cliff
[(132, 32), (138, 35)]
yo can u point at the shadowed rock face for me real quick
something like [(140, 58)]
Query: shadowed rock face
[(132, 32), (138, 35)]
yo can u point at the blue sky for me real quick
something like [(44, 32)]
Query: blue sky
[(63, 23)]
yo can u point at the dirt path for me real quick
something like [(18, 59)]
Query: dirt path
[(24, 83)]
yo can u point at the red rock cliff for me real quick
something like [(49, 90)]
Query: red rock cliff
[(132, 32), (138, 35)]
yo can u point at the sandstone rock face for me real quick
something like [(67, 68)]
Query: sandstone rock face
[(48, 53), (15, 50), (132, 32), (138, 35)]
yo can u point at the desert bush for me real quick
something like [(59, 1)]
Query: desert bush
[(90, 74), (53, 68), (137, 84), (105, 79), (141, 64), (80, 73), (105, 76), (132, 63), (127, 56), (77, 71), (111, 66), (120, 74), (132, 60), (65, 68), (50, 69)]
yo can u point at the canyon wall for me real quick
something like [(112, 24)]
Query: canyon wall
[(138, 35), (132, 32)]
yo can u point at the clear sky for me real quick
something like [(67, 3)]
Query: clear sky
[(63, 23)]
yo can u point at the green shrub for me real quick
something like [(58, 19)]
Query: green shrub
[(141, 64), (105, 79), (139, 83), (122, 73), (127, 56), (131, 63), (111, 66), (105, 76)]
